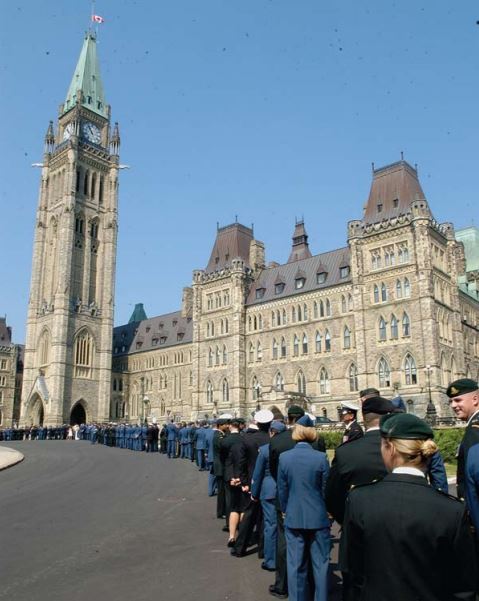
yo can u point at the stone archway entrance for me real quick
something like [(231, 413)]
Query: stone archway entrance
[(36, 412), (78, 414)]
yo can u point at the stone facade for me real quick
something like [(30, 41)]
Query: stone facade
[(386, 311), (11, 372), (70, 312)]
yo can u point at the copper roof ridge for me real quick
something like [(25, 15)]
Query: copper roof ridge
[(395, 167)]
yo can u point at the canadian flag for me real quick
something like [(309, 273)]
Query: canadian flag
[(97, 19)]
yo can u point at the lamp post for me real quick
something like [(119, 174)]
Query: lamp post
[(146, 401), (431, 413)]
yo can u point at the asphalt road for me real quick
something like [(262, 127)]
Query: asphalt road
[(79, 521)]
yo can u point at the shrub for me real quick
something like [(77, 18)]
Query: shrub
[(448, 441), (332, 438)]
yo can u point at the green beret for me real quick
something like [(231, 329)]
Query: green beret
[(296, 410), (462, 386), (405, 425)]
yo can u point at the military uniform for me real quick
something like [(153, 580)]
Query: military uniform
[(403, 540)]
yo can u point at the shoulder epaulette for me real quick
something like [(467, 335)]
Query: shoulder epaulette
[(355, 486), (445, 494)]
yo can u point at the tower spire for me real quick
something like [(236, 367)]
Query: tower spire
[(300, 248), (86, 87), (49, 138)]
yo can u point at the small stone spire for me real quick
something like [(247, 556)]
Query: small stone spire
[(115, 140), (300, 249), (49, 138)]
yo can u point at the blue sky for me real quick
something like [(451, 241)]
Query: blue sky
[(265, 109)]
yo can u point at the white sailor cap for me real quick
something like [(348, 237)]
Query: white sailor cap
[(265, 416), (348, 406), (225, 416)]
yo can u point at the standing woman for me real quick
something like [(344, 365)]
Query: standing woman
[(302, 476), (402, 539)]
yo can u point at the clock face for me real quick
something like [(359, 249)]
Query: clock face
[(91, 132), (68, 131)]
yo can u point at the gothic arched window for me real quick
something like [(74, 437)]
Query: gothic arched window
[(353, 378), (305, 343), (407, 288), (226, 391), (327, 342), (295, 346), (406, 325), (376, 293), (83, 354), (225, 355), (410, 372), (346, 338), (394, 327), (318, 342), (384, 292), (209, 392), (275, 349), (324, 384), (384, 373), (301, 383), (382, 329), (279, 382), (398, 289)]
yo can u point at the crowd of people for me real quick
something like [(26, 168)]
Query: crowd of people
[(402, 536)]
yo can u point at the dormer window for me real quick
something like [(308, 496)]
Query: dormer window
[(147, 329), (279, 288), (217, 260), (299, 283), (260, 292), (396, 203), (344, 271), (380, 207), (179, 336), (139, 344), (321, 277), (154, 341), (175, 322), (163, 340), (160, 325)]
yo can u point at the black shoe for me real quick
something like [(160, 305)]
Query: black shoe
[(276, 593), (236, 553), (231, 542), (265, 567), (225, 529)]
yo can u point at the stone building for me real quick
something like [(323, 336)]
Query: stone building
[(70, 313), (11, 371), (387, 310), (396, 307)]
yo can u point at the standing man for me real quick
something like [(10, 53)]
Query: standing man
[(172, 435), (200, 437), (353, 430), (464, 400), (358, 462)]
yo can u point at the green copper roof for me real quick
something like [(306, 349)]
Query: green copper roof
[(87, 79), (138, 313)]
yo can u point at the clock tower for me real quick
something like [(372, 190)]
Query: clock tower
[(67, 369)]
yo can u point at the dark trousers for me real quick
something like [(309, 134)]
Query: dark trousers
[(281, 581), (251, 518), (220, 499)]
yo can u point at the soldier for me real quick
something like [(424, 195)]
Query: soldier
[(263, 488), (252, 439), (279, 444), (464, 400), (222, 428), (200, 444), (172, 435), (209, 457), (302, 475), (402, 539), (231, 474), (353, 430)]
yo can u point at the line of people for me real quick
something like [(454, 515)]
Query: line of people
[(402, 536)]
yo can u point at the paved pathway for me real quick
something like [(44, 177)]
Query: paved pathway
[(9, 457), (89, 522)]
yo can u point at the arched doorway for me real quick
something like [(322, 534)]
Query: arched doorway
[(78, 414), (36, 412)]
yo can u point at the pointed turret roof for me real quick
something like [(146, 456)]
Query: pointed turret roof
[(87, 79), (300, 249), (393, 189), (138, 314), (231, 241)]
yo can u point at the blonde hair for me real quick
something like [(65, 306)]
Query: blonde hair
[(303, 434), (414, 452)]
